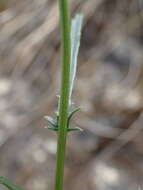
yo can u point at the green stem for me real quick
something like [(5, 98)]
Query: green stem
[(64, 97)]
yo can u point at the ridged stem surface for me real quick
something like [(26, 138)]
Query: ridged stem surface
[(64, 95)]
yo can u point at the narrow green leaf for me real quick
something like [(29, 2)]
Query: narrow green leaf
[(75, 129), (51, 120), (71, 113), (75, 43), (52, 128), (4, 181)]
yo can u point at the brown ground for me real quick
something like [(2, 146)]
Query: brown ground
[(108, 155)]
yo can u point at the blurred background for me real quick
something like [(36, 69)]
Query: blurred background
[(108, 155)]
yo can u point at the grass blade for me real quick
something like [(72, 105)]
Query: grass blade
[(75, 43), (4, 181)]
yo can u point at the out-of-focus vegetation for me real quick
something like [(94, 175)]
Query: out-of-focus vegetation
[(109, 89)]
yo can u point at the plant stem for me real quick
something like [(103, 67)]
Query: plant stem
[(64, 97)]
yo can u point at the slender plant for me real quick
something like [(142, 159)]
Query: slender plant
[(70, 41)]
